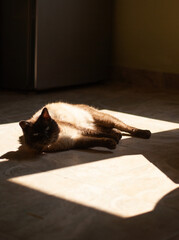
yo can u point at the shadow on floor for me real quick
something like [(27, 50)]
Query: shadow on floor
[(161, 150)]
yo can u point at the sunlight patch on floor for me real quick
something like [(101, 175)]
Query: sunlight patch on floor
[(125, 186), (9, 137)]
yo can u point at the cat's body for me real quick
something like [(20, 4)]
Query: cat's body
[(62, 126)]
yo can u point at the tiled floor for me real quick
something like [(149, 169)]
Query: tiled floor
[(129, 193)]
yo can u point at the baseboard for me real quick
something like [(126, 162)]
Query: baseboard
[(145, 78)]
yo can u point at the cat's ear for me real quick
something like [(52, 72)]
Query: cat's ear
[(45, 114), (23, 124)]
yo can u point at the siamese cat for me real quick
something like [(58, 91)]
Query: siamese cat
[(62, 126)]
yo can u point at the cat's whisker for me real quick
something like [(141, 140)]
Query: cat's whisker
[(36, 134)]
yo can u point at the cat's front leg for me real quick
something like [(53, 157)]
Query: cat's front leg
[(90, 142), (63, 143), (82, 142), (103, 133)]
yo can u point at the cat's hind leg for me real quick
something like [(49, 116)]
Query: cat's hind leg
[(108, 121)]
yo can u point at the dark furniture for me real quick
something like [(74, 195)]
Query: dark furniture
[(53, 43)]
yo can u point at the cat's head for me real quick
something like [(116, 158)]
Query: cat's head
[(40, 133)]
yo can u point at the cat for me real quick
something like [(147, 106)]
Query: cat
[(62, 126)]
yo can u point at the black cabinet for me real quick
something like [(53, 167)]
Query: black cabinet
[(54, 43)]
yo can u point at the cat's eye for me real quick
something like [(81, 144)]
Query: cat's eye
[(47, 128), (35, 134)]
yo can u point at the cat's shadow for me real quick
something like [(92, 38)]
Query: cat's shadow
[(22, 154), (25, 154)]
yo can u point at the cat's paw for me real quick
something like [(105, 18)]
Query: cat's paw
[(146, 134), (110, 143), (118, 136)]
